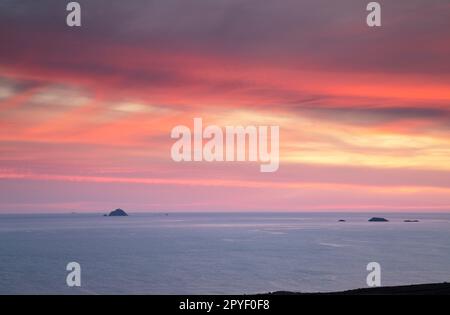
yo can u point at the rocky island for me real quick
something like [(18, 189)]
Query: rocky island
[(375, 219), (118, 213)]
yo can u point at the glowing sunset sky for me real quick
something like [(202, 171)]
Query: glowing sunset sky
[(86, 113)]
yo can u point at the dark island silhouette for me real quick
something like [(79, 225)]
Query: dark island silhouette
[(376, 219), (117, 213)]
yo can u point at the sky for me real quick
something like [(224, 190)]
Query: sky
[(86, 113)]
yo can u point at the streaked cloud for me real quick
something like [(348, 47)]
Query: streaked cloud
[(95, 106)]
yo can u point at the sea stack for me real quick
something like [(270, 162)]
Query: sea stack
[(118, 213), (375, 219)]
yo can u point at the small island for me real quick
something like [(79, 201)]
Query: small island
[(118, 213), (411, 221), (376, 219)]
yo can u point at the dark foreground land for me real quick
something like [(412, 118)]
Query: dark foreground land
[(419, 289)]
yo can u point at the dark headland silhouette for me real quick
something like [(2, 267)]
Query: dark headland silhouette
[(417, 289)]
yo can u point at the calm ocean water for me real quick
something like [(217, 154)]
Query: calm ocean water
[(218, 253)]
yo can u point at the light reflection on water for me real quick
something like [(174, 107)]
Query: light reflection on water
[(219, 253)]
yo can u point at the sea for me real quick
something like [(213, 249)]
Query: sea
[(219, 253)]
